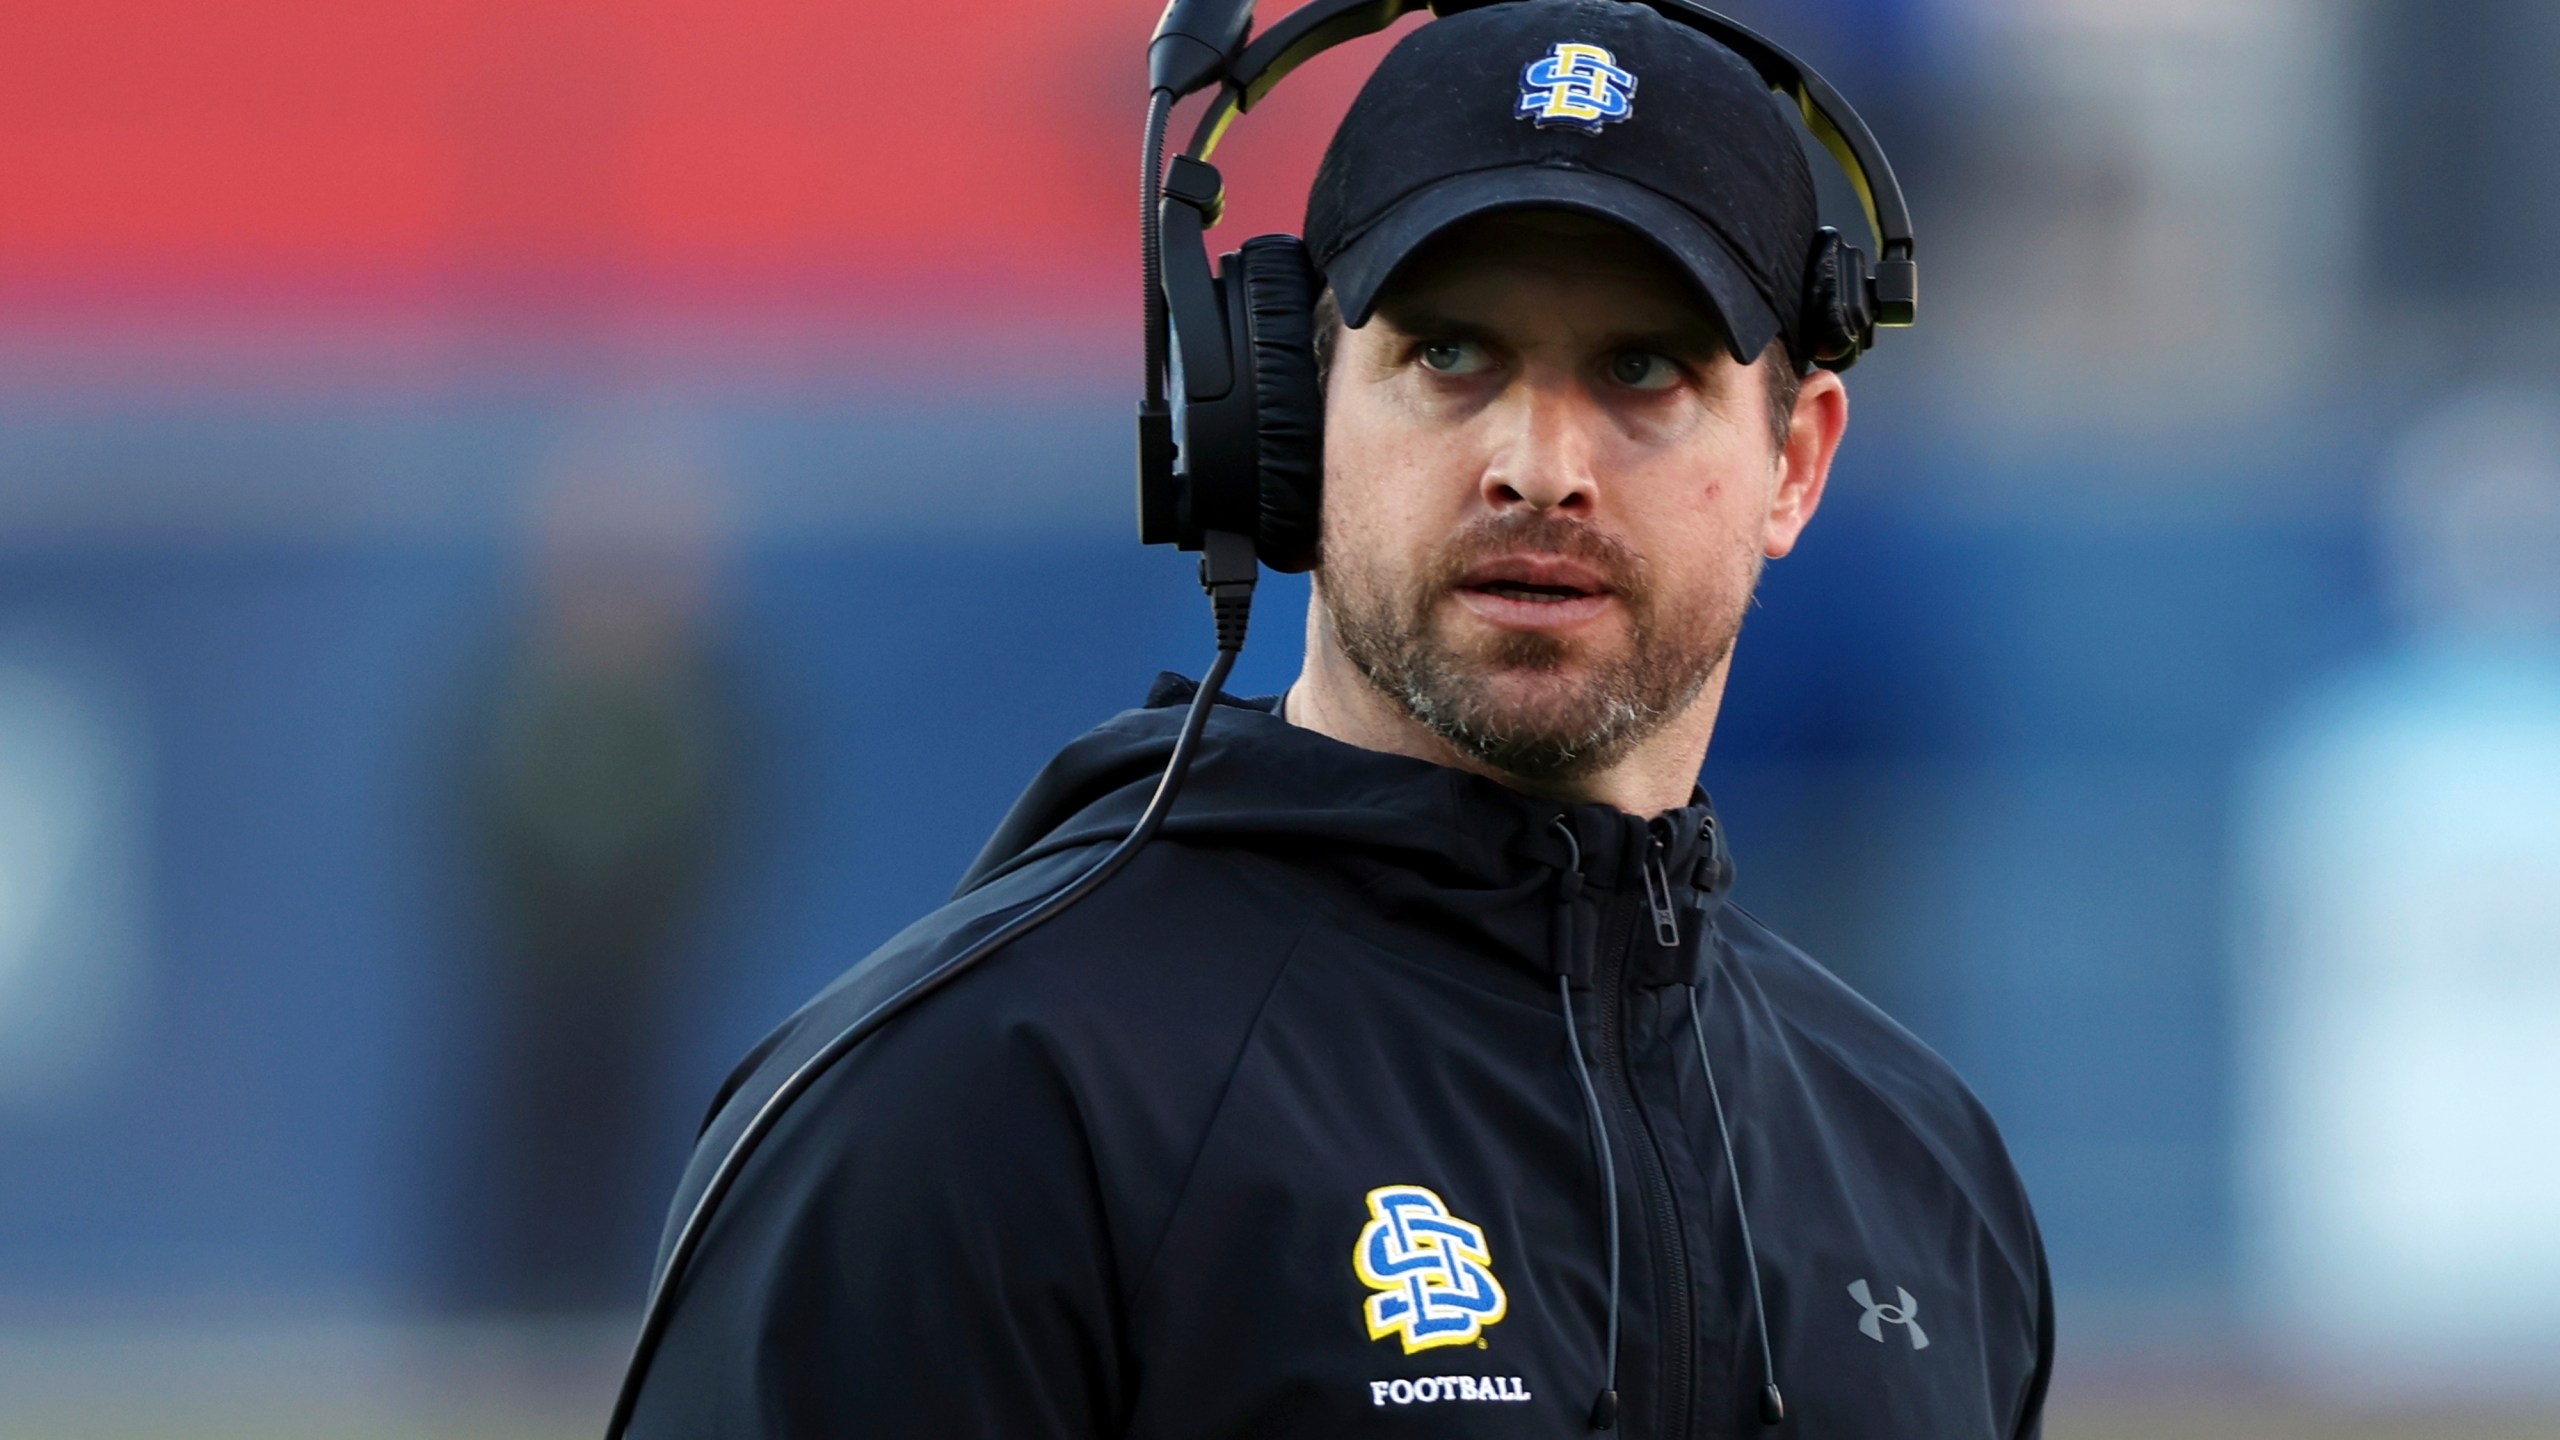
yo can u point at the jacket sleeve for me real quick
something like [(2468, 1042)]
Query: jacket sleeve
[(920, 1249), (2031, 1406)]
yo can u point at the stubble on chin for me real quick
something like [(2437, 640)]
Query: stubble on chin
[(1536, 707)]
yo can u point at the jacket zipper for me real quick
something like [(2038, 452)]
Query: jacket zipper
[(1657, 897), (1676, 1405)]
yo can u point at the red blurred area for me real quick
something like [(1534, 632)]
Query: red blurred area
[(976, 159)]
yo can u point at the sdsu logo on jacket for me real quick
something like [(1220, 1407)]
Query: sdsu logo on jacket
[(1431, 1269), (1281, 1135)]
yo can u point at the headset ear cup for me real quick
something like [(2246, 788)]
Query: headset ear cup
[(1839, 316), (1280, 288)]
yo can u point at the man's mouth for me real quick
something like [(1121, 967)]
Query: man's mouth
[(1536, 578), (1534, 591), (1535, 594)]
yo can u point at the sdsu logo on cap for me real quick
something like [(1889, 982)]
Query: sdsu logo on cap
[(1578, 85)]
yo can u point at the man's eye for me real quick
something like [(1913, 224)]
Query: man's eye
[(1453, 357), (1643, 370)]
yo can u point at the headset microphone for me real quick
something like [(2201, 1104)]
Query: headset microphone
[(1194, 42)]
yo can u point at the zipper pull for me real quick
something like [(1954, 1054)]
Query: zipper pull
[(1657, 893)]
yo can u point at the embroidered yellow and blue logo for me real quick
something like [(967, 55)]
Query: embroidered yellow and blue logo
[(1432, 1271), (1578, 85)]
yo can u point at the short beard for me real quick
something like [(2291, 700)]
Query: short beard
[(1394, 638)]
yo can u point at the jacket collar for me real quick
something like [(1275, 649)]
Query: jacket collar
[(1476, 853)]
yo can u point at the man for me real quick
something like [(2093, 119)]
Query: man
[(1421, 1077)]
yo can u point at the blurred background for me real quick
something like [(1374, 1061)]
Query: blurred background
[(533, 534)]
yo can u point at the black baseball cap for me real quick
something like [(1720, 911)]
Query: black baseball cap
[(1601, 107)]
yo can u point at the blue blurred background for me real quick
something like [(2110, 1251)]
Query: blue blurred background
[(533, 535)]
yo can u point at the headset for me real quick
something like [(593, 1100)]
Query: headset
[(1236, 461), (1233, 468)]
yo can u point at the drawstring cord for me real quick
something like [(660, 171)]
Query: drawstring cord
[(1604, 1408), (1773, 1405)]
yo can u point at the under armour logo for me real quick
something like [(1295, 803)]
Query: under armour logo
[(1578, 85), (1879, 1316)]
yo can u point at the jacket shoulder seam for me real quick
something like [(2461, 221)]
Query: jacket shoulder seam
[(1217, 1112)]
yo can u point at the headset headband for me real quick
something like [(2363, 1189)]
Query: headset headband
[(1319, 26)]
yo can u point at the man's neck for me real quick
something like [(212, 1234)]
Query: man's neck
[(1332, 698)]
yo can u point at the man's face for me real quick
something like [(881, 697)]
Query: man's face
[(1548, 491)]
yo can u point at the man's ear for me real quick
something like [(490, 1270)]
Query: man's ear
[(1804, 462)]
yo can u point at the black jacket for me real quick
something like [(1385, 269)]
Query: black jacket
[(1283, 1132)]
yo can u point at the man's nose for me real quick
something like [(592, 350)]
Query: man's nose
[(1542, 457)]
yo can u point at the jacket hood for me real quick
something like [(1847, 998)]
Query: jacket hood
[(1416, 833)]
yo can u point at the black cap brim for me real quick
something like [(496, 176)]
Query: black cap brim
[(1364, 265)]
